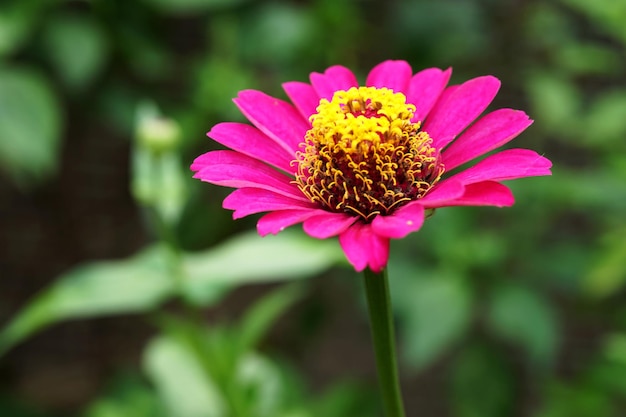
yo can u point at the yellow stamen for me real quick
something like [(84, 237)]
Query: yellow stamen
[(364, 156)]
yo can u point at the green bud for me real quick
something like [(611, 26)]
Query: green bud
[(158, 134)]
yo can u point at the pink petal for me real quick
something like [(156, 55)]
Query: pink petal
[(403, 221), (394, 75), (250, 141), (488, 133), (323, 226), (303, 96), (277, 119), (486, 193), (450, 116), (442, 193), (246, 201), (425, 88), (506, 165), (364, 248), (233, 169), (444, 97), (277, 221), (333, 79)]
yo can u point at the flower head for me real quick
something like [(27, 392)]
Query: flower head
[(365, 162)]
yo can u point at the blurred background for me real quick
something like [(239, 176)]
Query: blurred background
[(127, 291)]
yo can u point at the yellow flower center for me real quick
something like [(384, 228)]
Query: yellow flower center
[(363, 155)]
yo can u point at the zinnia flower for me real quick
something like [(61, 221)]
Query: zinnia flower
[(365, 163)]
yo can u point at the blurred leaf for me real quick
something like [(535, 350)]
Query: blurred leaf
[(424, 298), (608, 274), (259, 317), (581, 59), (179, 378), (11, 406), (279, 32), (556, 102), (565, 401), (16, 23), (216, 98), (192, 6), (482, 384), (127, 397), (598, 390), (30, 124), (112, 287), (117, 107), (547, 26), (149, 57), (605, 121), (598, 191), (451, 235), (142, 282), (345, 400), (77, 48), (607, 373), (609, 15), (249, 258), (615, 350), (262, 385), (608, 377), (423, 26), (522, 317), (239, 381), (563, 264)]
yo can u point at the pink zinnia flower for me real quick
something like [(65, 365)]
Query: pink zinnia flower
[(366, 163)]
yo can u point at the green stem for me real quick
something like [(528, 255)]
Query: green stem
[(381, 324)]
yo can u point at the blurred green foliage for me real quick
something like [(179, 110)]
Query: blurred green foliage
[(488, 300)]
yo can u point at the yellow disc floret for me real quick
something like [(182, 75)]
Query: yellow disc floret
[(364, 156)]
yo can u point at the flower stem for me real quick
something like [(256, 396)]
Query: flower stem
[(381, 324)]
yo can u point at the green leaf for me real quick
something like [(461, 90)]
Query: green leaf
[(263, 314), (556, 101), (522, 317), (128, 396), (16, 24), (178, 375), (77, 48), (211, 97), (605, 121), (615, 350), (30, 124), (607, 374), (481, 384), (608, 15), (249, 258), (445, 297), (262, 381), (576, 401), (345, 399), (547, 26), (14, 407), (285, 30), (608, 273), (587, 58), (596, 190), (424, 24), (247, 383), (102, 288)]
